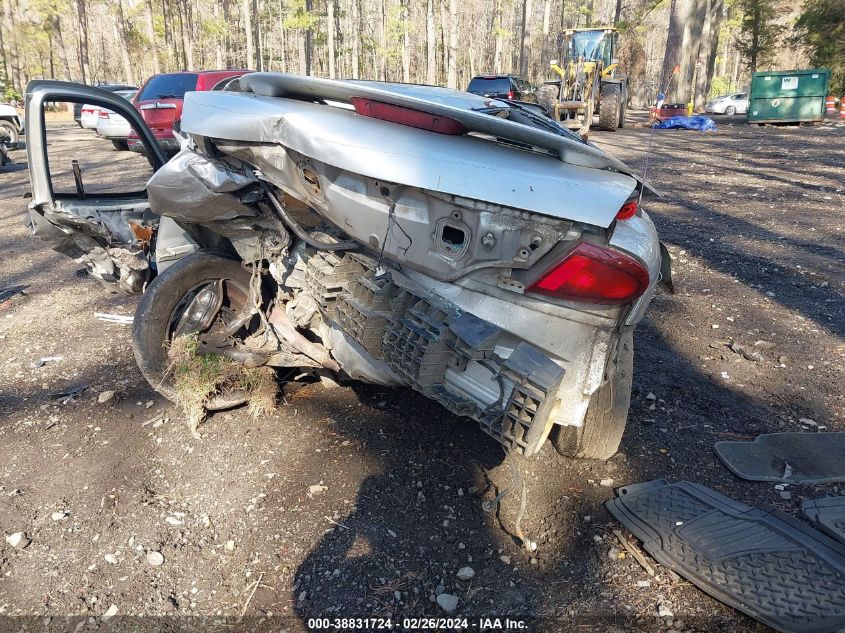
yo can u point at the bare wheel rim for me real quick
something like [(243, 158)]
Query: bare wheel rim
[(234, 298)]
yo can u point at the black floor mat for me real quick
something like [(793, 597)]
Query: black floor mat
[(797, 458), (829, 514), (761, 561)]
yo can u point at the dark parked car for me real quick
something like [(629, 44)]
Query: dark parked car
[(503, 87), (160, 101), (77, 107)]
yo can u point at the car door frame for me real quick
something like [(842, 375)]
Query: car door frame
[(105, 222), (44, 91)]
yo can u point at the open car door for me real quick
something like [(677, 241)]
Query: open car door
[(89, 201)]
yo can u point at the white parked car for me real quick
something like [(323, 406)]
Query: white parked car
[(112, 126), (88, 118), (736, 103)]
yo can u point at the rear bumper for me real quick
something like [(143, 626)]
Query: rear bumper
[(479, 356), (576, 338), (516, 364), (113, 132)]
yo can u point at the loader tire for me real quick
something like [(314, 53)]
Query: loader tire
[(609, 108), (604, 423), (547, 96), (159, 307)]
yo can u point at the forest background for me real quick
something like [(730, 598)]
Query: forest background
[(698, 48)]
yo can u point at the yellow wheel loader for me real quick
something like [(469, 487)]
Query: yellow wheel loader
[(588, 82)]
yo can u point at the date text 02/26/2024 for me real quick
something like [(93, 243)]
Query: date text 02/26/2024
[(416, 624)]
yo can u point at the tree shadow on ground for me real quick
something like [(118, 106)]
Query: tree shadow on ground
[(420, 517)]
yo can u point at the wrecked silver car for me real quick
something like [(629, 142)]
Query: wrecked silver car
[(466, 247)]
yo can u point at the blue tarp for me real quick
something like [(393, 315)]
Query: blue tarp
[(700, 123)]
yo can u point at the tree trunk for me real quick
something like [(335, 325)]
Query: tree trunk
[(675, 79), (617, 13), (309, 41), (707, 52), (755, 39), (154, 56), (406, 43), (300, 41), (497, 52), (256, 35), (380, 55), (330, 27), (283, 48), (526, 37), (227, 37), (690, 48), (124, 44), (356, 39), (168, 37), (63, 55), (3, 53), (188, 44), (735, 74), (547, 44), (452, 75), (247, 27), (444, 43), (83, 41), (431, 45), (218, 44), (50, 48)]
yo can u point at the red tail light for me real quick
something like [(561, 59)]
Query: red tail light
[(510, 94), (87, 110), (104, 114), (407, 116), (593, 274), (628, 210)]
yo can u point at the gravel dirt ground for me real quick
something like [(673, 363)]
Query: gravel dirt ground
[(360, 501)]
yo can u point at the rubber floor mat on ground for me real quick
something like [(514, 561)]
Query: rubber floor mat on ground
[(829, 514), (797, 458), (761, 561)]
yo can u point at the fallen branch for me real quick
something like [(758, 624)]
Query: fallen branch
[(252, 593), (633, 551)]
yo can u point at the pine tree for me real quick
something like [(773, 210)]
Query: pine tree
[(759, 32), (821, 28)]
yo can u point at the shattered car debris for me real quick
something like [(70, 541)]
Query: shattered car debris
[(465, 247)]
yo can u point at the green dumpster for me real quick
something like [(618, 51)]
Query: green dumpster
[(788, 96)]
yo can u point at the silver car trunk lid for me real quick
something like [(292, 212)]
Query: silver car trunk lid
[(467, 166)]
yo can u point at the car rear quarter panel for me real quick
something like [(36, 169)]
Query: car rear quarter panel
[(638, 237)]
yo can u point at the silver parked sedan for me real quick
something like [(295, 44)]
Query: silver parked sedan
[(736, 103), (114, 127)]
